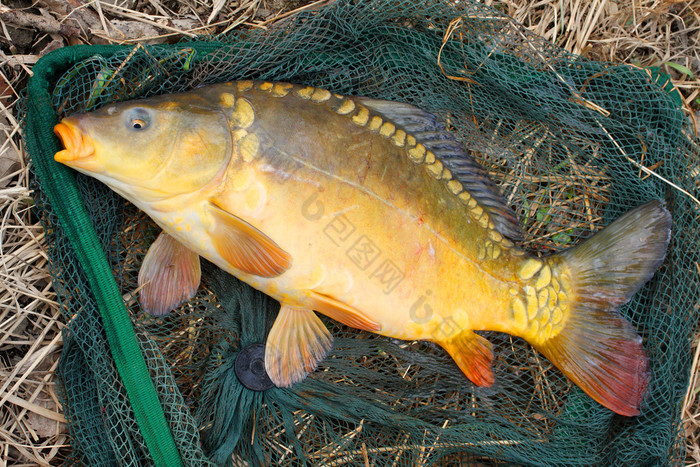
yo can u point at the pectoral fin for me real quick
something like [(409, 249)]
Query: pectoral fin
[(245, 247), (297, 342), (473, 356), (169, 275), (343, 312)]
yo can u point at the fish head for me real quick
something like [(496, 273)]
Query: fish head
[(149, 149)]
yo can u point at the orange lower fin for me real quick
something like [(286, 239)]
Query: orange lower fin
[(170, 274), (473, 356), (342, 312), (245, 247), (296, 344)]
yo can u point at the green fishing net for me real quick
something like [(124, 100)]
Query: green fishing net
[(565, 138)]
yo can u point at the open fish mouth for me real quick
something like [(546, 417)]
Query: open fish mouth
[(78, 146)]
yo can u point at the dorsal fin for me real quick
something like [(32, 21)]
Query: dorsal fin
[(431, 133)]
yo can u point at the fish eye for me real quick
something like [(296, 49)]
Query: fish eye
[(138, 124), (138, 119)]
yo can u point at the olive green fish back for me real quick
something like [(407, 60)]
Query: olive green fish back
[(562, 136)]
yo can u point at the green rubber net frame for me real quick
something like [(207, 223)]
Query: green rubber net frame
[(564, 137)]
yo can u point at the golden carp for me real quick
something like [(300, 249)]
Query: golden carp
[(370, 213)]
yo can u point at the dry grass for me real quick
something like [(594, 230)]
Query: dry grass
[(32, 428), (642, 32)]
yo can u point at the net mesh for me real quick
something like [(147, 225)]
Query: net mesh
[(563, 137)]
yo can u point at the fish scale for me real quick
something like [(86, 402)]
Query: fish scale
[(418, 153), (538, 310)]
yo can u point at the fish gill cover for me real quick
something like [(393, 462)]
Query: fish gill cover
[(563, 137)]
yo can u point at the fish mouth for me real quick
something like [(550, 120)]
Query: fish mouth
[(79, 149)]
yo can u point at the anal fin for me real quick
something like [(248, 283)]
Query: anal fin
[(296, 344), (473, 355), (169, 275)]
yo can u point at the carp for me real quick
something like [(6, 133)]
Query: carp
[(372, 214)]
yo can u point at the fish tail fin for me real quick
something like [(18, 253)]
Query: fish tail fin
[(597, 348)]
